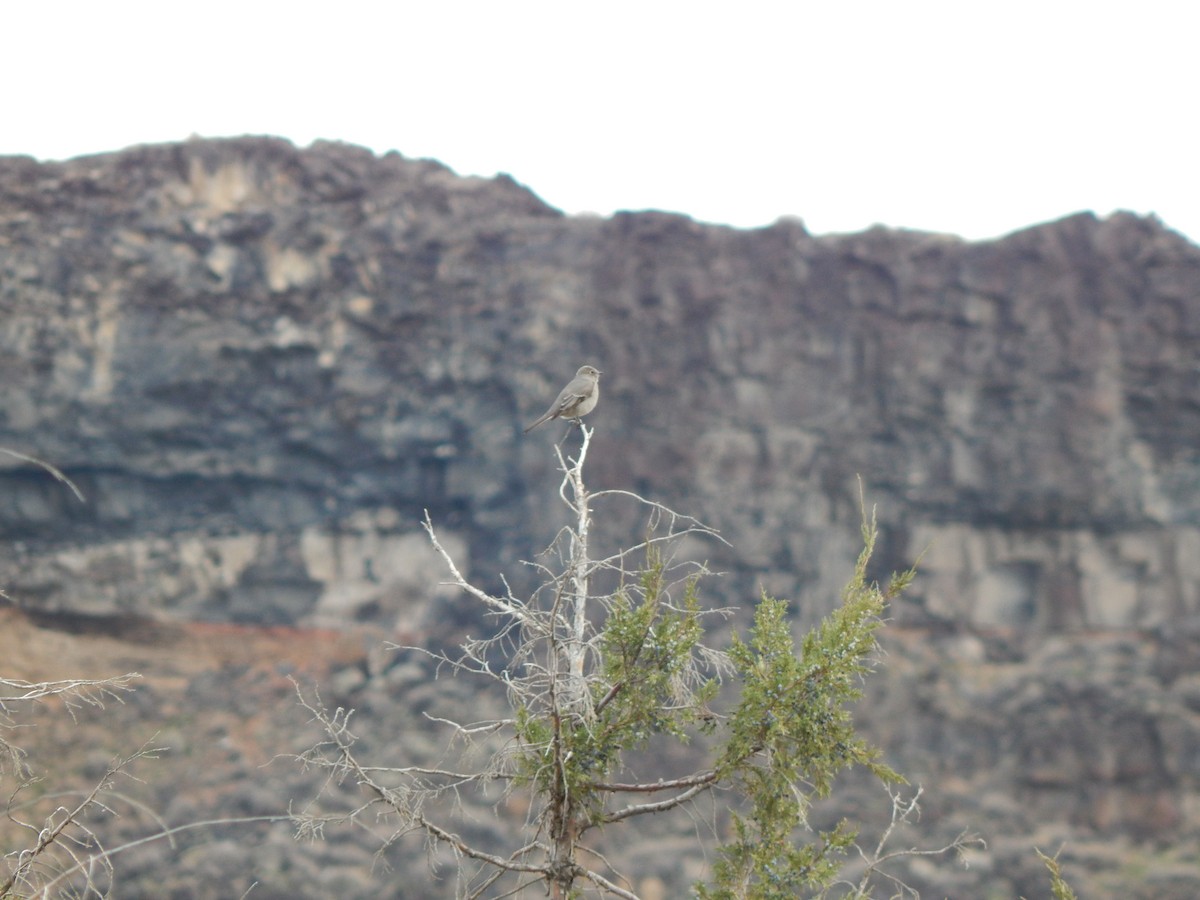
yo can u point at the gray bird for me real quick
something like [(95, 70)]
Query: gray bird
[(576, 400)]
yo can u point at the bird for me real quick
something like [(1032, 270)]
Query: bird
[(576, 400)]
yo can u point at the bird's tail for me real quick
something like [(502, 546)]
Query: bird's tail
[(538, 422)]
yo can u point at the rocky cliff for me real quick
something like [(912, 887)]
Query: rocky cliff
[(261, 364)]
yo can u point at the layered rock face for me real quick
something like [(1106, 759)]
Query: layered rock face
[(261, 365)]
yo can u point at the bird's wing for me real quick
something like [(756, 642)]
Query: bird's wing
[(567, 400)]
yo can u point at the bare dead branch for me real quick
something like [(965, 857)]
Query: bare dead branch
[(607, 885), (63, 830), (671, 784), (461, 846), (642, 809), (904, 810), (167, 834), (49, 468), (75, 691), (509, 607)]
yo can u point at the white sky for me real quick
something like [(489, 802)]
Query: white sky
[(973, 117)]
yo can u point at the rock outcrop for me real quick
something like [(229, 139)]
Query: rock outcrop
[(262, 364)]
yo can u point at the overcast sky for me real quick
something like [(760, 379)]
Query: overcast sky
[(970, 117)]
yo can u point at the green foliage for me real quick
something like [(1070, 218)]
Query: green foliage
[(1058, 886), (534, 733), (763, 863), (647, 650), (791, 733), (647, 685)]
